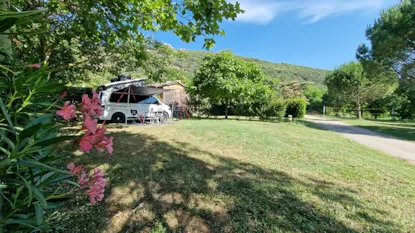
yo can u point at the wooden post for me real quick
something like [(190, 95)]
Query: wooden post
[(128, 105)]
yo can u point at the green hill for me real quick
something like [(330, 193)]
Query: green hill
[(282, 71)]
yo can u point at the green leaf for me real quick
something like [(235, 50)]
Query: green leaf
[(37, 32), (10, 14), (6, 114), (73, 183), (39, 214), (7, 140), (8, 153), (53, 141), (29, 188), (7, 23), (28, 132), (50, 88), (40, 197), (5, 162), (36, 164), (18, 82)]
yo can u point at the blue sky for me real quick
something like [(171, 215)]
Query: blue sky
[(314, 33)]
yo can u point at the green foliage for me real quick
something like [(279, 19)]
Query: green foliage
[(392, 37), (31, 185), (296, 107), (88, 34), (282, 72), (403, 100), (227, 81), (351, 84), (314, 96), (274, 108)]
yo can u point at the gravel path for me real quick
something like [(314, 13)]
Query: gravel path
[(388, 144)]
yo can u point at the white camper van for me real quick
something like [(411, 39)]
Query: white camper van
[(131, 99)]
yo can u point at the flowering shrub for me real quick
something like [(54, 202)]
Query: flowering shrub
[(31, 184), (91, 109), (95, 183)]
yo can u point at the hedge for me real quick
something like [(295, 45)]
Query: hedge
[(296, 107)]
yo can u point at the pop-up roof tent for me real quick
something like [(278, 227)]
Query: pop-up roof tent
[(135, 87)]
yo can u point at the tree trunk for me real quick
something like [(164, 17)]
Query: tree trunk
[(5, 42), (358, 111), (226, 109)]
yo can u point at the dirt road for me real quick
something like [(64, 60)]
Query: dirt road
[(388, 144)]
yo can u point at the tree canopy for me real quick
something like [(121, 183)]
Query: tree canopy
[(393, 39), (84, 34), (351, 83), (226, 80)]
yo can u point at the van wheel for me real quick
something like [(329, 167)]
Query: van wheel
[(165, 116), (118, 118)]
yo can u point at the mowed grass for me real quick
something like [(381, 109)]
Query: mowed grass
[(397, 128), (243, 176)]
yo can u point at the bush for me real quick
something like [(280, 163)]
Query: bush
[(274, 108), (296, 107)]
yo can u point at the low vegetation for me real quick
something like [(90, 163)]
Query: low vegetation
[(245, 176)]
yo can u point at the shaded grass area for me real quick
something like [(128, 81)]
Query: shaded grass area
[(397, 128), (242, 176)]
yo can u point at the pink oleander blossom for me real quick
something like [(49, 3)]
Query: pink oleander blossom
[(97, 186), (74, 169), (90, 124), (87, 142), (66, 111), (36, 66), (97, 140), (63, 94), (83, 179), (105, 143), (92, 106)]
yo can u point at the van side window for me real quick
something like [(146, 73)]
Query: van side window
[(115, 98), (133, 98)]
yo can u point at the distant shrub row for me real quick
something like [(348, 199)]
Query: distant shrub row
[(272, 109)]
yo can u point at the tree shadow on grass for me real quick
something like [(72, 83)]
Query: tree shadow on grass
[(179, 188)]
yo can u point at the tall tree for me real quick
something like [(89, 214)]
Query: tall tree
[(88, 31), (350, 83), (225, 80), (392, 37)]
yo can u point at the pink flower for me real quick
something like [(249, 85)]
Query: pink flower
[(96, 187), (105, 143), (83, 179), (91, 106), (96, 193), (36, 66), (66, 111), (90, 124), (63, 94), (95, 98), (87, 142), (74, 169)]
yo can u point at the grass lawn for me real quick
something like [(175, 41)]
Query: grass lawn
[(243, 176), (399, 129)]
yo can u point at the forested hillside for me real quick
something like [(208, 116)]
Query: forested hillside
[(282, 71)]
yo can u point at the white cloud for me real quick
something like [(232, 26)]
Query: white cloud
[(309, 11)]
